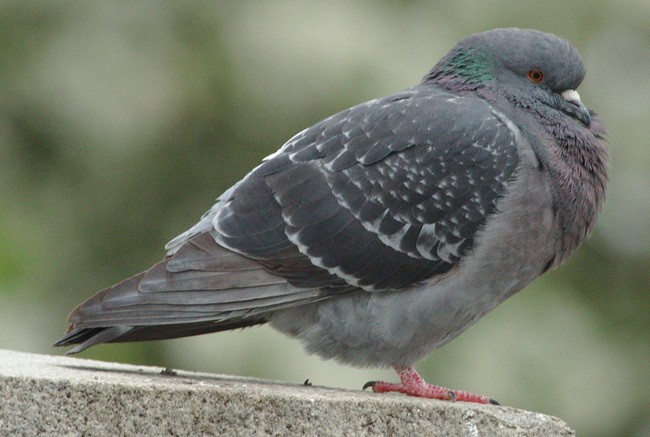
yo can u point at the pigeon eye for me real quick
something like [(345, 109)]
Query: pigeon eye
[(536, 75)]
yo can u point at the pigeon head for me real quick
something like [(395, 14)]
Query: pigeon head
[(527, 67)]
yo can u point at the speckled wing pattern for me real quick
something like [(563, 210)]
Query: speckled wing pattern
[(381, 196)]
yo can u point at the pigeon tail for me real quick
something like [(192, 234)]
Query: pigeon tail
[(203, 288)]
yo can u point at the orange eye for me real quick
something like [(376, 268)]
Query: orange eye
[(536, 76)]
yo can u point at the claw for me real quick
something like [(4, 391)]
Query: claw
[(369, 384)]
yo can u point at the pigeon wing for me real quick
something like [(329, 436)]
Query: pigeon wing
[(381, 196)]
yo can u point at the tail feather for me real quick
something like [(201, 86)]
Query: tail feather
[(88, 337), (182, 300), (101, 336)]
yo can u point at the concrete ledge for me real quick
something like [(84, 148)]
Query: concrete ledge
[(54, 395)]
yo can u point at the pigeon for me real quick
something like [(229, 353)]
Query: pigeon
[(384, 231)]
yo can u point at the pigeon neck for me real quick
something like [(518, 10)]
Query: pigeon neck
[(575, 156), (463, 69)]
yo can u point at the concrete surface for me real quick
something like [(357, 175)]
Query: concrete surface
[(52, 395)]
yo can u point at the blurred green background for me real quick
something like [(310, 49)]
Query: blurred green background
[(120, 123)]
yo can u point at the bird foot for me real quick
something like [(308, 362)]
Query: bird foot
[(414, 385)]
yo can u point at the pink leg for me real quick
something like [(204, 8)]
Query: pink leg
[(413, 385)]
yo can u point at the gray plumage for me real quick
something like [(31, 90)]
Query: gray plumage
[(384, 231)]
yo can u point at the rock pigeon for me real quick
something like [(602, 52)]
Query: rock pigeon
[(384, 231)]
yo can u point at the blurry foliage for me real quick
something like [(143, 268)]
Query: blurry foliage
[(120, 122)]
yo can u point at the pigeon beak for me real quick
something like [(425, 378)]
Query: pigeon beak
[(579, 111)]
